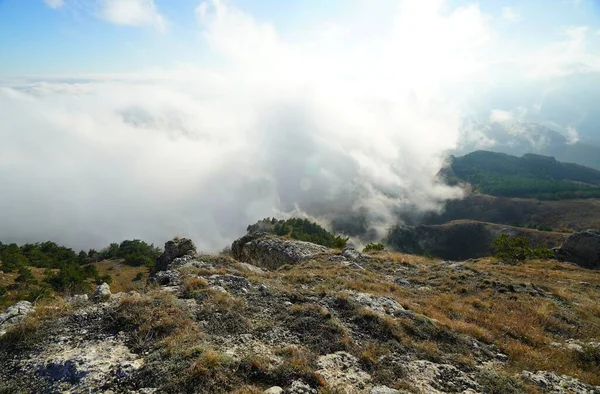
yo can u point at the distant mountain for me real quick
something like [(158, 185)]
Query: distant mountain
[(518, 138), (533, 176)]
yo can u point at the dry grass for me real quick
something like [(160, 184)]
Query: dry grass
[(521, 325), (122, 275)]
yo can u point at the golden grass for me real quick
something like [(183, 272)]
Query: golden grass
[(122, 275)]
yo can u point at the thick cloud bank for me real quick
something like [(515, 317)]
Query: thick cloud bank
[(333, 126)]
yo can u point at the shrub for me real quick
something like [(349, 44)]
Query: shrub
[(513, 250), (25, 276), (374, 247)]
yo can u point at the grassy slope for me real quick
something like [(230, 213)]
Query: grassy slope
[(521, 309)]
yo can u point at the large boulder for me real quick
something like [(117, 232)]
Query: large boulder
[(174, 249), (581, 248), (272, 252)]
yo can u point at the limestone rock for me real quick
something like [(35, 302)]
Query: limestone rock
[(273, 390), (384, 390), (271, 252), (14, 314), (382, 305), (102, 293), (341, 371), (552, 383), (299, 387), (429, 377), (581, 248), (174, 249)]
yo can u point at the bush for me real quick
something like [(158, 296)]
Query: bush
[(372, 247), (25, 276), (70, 278), (513, 250)]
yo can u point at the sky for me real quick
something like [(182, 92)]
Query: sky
[(146, 119)]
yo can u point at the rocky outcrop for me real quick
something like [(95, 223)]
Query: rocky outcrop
[(174, 249), (14, 315), (551, 383), (271, 252), (581, 248)]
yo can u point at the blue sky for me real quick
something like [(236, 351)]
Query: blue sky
[(46, 37)]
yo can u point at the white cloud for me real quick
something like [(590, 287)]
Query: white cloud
[(328, 128), (132, 13), (510, 14), (331, 124), (571, 135), (55, 3)]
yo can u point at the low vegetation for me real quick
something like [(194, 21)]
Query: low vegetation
[(515, 249), (299, 229)]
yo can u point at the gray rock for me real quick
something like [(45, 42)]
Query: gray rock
[(429, 377), (175, 249), (582, 248), (252, 268), (271, 252), (273, 390), (230, 282), (78, 299), (102, 293), (384, 390), (299, 387), (382, 305), (341, 372), (351, 254), (167, 278), (14, 315), (401, 281), (552, 383)]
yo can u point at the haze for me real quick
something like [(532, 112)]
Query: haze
[(140, 119)]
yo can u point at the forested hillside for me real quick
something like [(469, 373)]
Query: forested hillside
[(531, 176)]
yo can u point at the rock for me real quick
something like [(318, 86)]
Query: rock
[(271, 252), (429, 377), (299, 387), (384, 390), (78, 299), (252, 268), (14, 315), (230, 282), (273, 390), (382, 305), (85, 367), (167, 278), (582, 248), (102, 293), (351, 254), (400, 281), (341, 372), (174, 249), (552, 383)]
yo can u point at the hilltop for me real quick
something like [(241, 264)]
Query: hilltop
[(278, 314), (531, 175)]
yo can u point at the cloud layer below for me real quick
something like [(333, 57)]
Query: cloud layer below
[(332, 127)]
